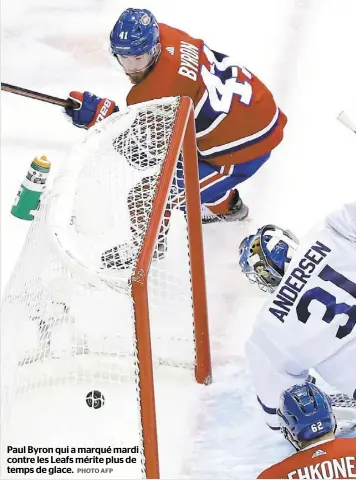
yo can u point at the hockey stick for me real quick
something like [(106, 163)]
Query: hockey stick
[(345, 120), (39, 96)]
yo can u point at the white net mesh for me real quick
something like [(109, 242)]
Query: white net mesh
[(341, 400), (67, 313), (344, 408)]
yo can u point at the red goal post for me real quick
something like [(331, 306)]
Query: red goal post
[(183, 138)]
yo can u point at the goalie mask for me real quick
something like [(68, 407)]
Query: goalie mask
[(265, 256)]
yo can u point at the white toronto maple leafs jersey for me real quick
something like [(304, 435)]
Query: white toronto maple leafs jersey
[(310, 320)]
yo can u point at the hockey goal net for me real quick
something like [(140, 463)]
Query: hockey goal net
[(109, 289)]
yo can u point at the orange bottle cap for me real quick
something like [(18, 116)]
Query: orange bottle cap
[(42, 162)]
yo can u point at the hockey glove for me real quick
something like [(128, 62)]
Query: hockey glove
[(91, 109)]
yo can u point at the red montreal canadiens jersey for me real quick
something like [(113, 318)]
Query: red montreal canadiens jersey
[(331, 459), (236, 117)]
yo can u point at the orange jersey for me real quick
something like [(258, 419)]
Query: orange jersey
[(236, 117), (325, 460)]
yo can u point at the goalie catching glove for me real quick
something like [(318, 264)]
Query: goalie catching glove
[(91, 109)]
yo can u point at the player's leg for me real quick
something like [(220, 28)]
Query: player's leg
[(335, 369), (218, 193), (215, 185), (266, 360), (218, 187)]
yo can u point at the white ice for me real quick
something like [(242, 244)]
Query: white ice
[(304, 51)]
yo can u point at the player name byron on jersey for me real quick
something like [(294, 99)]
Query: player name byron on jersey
[(189, 63)]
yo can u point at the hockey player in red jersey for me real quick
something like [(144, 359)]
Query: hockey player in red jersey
[(308, 423), (238, 123)]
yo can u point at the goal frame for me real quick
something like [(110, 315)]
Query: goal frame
[(183, 137)]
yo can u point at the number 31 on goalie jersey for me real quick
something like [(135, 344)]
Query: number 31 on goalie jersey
[(222, 82), (332, 307)]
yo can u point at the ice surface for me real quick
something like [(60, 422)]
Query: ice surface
[(303, 50)]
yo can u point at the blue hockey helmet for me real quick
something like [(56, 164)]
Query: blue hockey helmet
[(264, 256), (305, 413), (134, 40)]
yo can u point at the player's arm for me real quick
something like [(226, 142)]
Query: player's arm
[(91, 110), (267, 362)]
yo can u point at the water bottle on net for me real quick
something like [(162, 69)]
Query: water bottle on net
[(29, 195)]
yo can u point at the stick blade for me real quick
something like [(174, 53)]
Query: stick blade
[(345, 120)]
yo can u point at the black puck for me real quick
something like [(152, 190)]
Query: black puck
[(95, 399)]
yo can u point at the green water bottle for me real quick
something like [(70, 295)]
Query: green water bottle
[(28, 197)]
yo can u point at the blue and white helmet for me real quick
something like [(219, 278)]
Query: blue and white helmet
[(134, 40), (305, 413), (265, 256)]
